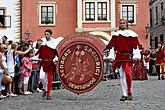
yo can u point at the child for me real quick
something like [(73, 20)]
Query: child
[(26, 71)]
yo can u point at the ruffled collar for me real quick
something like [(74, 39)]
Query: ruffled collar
[(126, 33), (52, 43)]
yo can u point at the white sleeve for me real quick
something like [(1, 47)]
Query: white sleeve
[(35, 57), (111, 54), (55, 59), (104, 56), (136, 53)]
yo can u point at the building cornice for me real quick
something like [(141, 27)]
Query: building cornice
[(128, 1), (96, 29), (151, 2), (46, 2)]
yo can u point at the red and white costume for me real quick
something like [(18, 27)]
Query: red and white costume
[(146, 60), (160, 59), (124, 46), (48, 54)]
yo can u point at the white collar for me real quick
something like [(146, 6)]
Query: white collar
[(52, 43), (126, 33)]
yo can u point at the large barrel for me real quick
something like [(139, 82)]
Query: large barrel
[(80, 63)]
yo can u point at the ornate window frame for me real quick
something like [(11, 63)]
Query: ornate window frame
[(47, 4), (96, 10), (128, 4)]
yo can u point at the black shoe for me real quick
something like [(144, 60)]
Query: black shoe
[(129, 96), (158, 78), (44, 94), (20, 93), (48, 98), (162, 77), (123, 98)]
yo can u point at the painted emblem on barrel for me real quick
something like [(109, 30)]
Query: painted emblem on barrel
[(80, 65)]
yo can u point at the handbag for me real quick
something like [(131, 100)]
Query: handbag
[(7, 79)]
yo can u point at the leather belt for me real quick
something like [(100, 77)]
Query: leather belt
[(125, 53), (47, 59)]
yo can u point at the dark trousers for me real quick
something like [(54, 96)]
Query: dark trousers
[(33, 81), (152, 62), (158, 71)]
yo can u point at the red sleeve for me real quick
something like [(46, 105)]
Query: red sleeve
[(135, 42), (112, 42), (38, 52), (56, 53)]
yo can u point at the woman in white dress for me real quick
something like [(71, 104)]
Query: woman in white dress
[(10, 59)]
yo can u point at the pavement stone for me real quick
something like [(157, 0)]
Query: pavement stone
[(147, 95)]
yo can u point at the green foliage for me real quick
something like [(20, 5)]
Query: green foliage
[(47, 21), (131, 21)]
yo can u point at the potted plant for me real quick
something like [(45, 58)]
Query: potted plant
[(131, 21), (46, 21)]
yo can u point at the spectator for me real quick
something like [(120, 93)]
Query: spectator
[(25, 71), (3, 69), (4, 39), (34, 78), (152, 68), (10, 59)]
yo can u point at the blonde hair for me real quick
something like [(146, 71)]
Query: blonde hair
[(14, 45)]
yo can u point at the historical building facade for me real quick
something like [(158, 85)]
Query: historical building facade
[(157, 21), (100, 17)]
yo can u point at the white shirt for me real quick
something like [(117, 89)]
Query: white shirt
[(10, 61)]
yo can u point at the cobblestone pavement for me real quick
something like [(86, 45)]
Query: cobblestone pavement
[(147, 95)]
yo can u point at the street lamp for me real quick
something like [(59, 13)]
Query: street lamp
[(147, 28), (27, 34)]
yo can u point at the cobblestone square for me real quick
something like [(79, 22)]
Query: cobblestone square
[(147, 95)]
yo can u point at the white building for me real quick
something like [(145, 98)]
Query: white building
[(10, 19)]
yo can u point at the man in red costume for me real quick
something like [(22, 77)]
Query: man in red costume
[(160, 60), (48, 55), (124, 47)]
